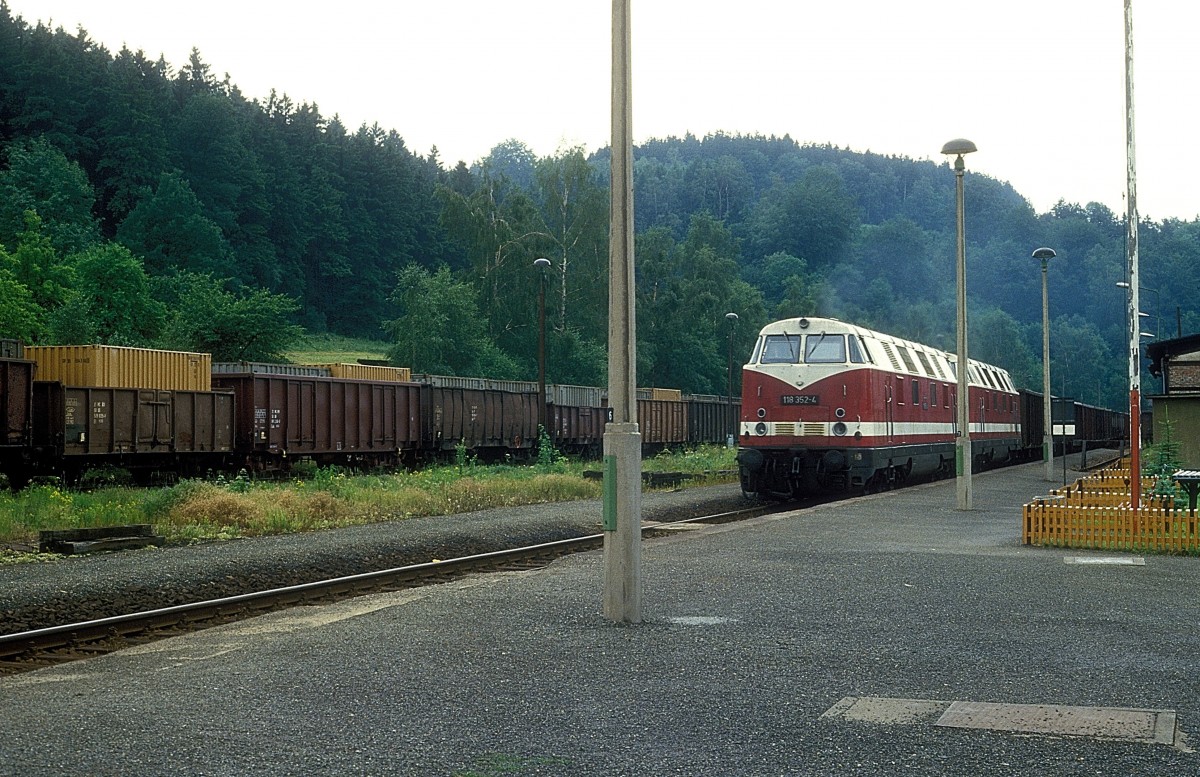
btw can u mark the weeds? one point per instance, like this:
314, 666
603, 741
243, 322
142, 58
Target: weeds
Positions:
315, 498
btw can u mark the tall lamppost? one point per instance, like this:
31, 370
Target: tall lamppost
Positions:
732, 318
542, 264
1045, 255
962, 443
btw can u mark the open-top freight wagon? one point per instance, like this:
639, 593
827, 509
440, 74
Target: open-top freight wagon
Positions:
173, 412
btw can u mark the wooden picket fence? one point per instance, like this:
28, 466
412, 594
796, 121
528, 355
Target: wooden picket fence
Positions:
1096, 513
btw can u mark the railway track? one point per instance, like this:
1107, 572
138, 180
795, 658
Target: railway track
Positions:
39, 648
30, 650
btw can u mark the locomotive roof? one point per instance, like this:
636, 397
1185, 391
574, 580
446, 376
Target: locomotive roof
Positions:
805, 325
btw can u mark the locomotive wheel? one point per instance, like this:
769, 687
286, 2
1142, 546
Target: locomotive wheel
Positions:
749, 486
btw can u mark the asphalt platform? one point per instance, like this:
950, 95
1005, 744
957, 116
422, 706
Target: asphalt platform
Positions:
886, 635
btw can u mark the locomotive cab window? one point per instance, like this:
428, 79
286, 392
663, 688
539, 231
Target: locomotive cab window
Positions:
825, 349
856, 351
781, 349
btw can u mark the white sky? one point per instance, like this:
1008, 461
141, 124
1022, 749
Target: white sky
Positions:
1038, 85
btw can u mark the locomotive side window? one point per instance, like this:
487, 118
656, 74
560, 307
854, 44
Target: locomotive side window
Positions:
757, 348
916, 388
781, 349
856, 353
825, 349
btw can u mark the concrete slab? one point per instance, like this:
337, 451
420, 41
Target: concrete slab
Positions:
1128, 561
1118, 723
876, 709
1139, 725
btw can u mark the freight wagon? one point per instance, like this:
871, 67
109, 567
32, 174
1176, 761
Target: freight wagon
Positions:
16, 407
492, 418
282, 418
141, 430
152, 411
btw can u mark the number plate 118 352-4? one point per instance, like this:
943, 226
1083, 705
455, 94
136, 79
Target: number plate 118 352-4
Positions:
800, 399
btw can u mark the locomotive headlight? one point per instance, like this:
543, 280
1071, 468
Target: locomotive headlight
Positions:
762, 413
839, 428
760, 428
840, 412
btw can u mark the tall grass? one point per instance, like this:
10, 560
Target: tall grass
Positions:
198, 510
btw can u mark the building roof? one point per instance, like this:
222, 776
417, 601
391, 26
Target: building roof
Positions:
1160, 351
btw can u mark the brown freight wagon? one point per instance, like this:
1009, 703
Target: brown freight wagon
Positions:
487, 417
16, 406
145, 431
577, 418
662, 423
712, 418
286, 418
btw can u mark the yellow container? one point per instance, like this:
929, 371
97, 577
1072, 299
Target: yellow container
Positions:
368, 372
113, 366
672, 395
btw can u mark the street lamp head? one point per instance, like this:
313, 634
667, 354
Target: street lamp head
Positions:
1044, 254
541, 263
959, 146
1122, 284
731, 317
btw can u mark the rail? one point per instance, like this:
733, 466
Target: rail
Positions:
35, 649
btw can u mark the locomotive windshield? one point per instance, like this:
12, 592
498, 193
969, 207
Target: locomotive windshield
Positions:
781, 349
818, 349
825, 349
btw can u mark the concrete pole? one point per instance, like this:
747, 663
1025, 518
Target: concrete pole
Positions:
622, 440
963, 458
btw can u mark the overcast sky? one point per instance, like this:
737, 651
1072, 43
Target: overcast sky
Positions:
1038, 85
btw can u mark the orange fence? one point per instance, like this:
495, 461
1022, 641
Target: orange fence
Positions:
1054, 522
1095, 513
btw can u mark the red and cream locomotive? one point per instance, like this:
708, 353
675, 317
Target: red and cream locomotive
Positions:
828, 406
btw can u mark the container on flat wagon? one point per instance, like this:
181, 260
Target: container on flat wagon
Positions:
11, 349
112, 366
669, 395
348, 371
267, 368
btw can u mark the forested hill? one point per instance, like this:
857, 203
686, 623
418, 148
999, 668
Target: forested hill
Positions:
147, 205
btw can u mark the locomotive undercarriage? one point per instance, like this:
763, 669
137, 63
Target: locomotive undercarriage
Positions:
794, 472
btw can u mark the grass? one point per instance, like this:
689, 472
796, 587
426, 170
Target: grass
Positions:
335, 349
317, 499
